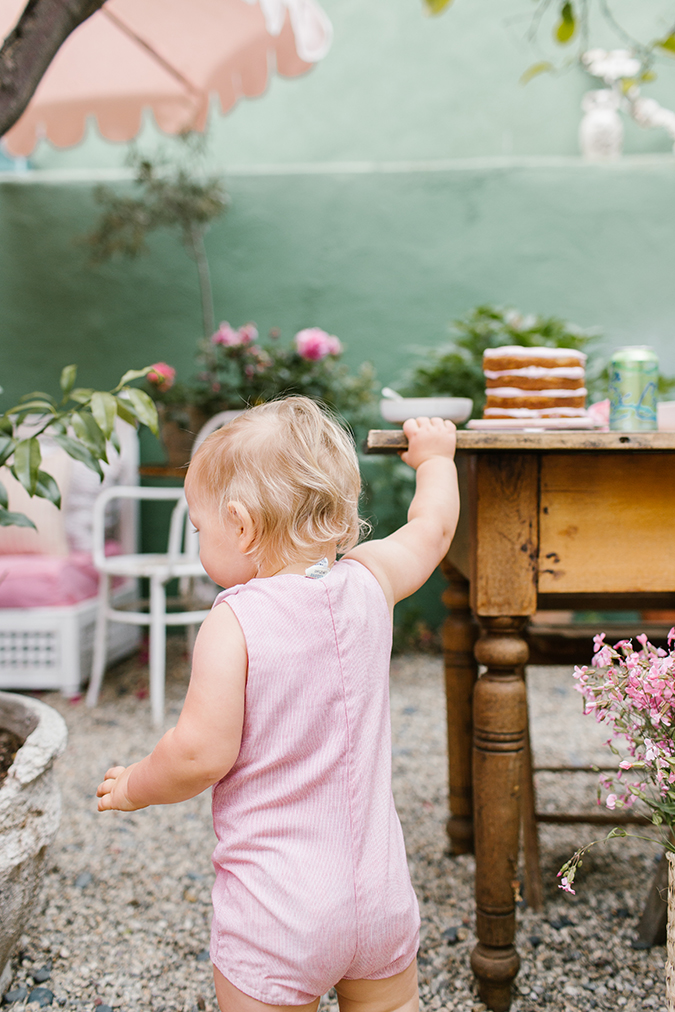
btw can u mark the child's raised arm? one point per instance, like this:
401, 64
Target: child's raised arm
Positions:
406, 559
203, 746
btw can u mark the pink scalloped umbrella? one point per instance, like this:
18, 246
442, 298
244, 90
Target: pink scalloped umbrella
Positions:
167, 55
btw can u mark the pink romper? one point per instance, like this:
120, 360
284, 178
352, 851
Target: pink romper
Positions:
312, 883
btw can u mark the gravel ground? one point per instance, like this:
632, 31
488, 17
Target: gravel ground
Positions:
124, 917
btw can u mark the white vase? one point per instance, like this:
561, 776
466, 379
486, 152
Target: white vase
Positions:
601, 129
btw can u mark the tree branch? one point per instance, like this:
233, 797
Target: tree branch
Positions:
29, 49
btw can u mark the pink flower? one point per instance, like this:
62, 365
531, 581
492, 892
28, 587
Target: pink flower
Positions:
248, 333
598, 641
162, 376
227, 336
565, 886
599, 412
611, 801
314, 344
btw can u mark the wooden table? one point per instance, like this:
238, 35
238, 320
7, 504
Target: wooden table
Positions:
554, 520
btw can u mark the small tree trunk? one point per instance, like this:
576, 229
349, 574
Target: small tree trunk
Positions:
197, 251
31, 46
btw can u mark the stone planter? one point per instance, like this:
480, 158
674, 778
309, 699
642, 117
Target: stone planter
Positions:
30, 809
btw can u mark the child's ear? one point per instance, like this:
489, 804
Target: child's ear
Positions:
244, 524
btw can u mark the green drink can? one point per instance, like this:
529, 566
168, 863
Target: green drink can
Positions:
633, 389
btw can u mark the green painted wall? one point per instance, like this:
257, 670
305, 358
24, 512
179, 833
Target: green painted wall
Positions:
406, 179
383, 259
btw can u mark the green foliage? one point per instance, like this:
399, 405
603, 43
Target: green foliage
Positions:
167, 199
667, 44
436, 6
456, 369
236, 376
169, 195
88, 414
574, 21
567, 25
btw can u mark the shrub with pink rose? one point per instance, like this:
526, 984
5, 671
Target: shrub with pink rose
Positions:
236, 369
632, 691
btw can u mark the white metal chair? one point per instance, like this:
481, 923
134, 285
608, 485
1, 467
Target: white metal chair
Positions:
180, 561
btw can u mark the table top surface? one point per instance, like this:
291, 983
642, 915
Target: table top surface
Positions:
475, 441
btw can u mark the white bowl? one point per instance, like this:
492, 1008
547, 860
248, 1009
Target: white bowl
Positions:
456, 409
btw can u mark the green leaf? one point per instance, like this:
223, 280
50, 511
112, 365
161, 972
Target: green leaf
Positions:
7, 445
143, 406
27, 458
8, 519
132, 374
567, 25
78, 452
81, 395
115, 441
6, 425
67, 380
543, 67
87, 430
436, 6
124, 412
38, 395
47, 488
35, 405
667, 44
4, 500
104, 410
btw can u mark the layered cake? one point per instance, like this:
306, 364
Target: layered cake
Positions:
534, 383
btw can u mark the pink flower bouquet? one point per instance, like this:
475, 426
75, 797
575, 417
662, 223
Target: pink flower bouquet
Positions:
633, 693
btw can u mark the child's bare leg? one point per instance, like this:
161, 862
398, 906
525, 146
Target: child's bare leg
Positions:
231, 999
393, 994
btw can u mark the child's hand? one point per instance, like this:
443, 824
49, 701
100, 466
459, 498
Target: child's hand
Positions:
112, 793
428, 437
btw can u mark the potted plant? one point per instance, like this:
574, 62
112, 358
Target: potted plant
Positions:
236, 369
631, 692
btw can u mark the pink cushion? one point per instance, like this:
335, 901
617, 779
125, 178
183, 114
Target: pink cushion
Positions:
46, 581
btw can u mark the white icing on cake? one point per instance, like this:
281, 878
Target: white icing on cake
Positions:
541, 372
517, 350
535, 412
517, 392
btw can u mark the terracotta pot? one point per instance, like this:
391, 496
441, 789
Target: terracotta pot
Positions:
670, 944
178, 428
30, 810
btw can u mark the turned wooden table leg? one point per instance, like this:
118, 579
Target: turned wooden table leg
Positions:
460, 632
499, 714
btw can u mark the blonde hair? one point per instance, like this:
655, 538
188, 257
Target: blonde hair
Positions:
296, 471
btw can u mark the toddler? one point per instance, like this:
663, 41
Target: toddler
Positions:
287, 711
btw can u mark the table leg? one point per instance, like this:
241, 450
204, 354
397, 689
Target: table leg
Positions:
460, 632
499, 711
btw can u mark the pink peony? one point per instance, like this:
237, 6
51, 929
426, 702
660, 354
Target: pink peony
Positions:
162, 376
248, 333
227, 336
314, 344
